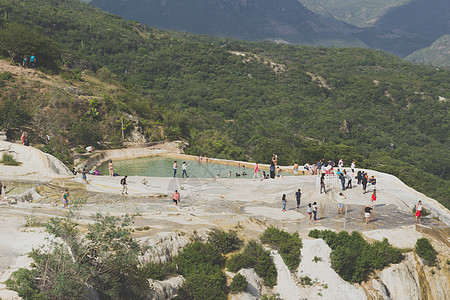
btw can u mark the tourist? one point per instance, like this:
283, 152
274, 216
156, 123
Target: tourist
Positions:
322, 184
22, 138
341, 164
419, 208
3, 193
314, 210
244, 173
256, 172
367, 213
298, 196
319, 167
176, 197
309, 211
274, 158
184, 168
74, 171
32, 60
306, 167
373, 181
278, 172
364, 182
374, 197
25, 61
65, 198
83, 174
229, 173
284, 202
295, 168
218, 176
237, 175
89, 149
110, 168
349, 179
175, 166
272, 170
342, 178
353, 166
340, 201
124, 184
359, 177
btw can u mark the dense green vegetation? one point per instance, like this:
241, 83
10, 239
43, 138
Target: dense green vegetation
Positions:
225, 242
353, 258
254, 256
9, 160
425, 250
201, 265
287, 99
289, 245
239, 284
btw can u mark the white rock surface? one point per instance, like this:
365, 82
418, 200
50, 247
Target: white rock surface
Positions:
401, 280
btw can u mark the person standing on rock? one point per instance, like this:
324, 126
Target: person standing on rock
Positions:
341, 164
256, 172
364, 182
314, 210
124, 184
22, 138
295, 169
3, 193
111, 168
353, 166
32, 60
298, 196
176, 197
309, 211
322, 184
184, 168
419, 208
349, 180
65, 198
83, 174
374, 197
367, 213
175, 166
284, 202
340, 201
272, 170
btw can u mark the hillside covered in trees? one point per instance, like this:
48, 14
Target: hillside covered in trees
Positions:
228, 98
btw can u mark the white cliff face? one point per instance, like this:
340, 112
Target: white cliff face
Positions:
254, 287
166, 289
401, 280
164, 246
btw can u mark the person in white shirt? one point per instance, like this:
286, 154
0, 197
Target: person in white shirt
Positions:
184, 167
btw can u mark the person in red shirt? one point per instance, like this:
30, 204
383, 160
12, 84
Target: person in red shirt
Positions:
176, 197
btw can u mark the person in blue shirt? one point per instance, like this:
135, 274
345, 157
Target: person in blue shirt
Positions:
32, 60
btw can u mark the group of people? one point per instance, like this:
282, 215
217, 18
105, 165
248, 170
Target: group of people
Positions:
183, 167
29, 61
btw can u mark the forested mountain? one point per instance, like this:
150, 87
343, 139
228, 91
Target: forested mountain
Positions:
234, 99
438, 54
251, 20
361, 13
396, 26
410, 27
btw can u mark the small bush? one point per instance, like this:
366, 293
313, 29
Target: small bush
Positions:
7, 76
31, 221
22, 281
225, 242
254, 256
8, 160
316, 259
425, 250
289, 245
239, 284
305, 280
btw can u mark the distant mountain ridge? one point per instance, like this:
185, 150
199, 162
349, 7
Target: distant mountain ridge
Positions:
281, 20
408, 26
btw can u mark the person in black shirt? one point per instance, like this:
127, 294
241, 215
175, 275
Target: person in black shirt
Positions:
123, 182
367, 213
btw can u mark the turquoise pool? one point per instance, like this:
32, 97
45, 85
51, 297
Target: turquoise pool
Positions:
158, 166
